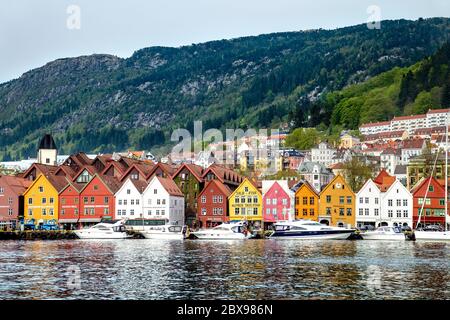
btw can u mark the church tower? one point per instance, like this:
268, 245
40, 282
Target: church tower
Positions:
47, 152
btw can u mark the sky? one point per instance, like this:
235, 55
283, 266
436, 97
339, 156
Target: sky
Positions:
33, 33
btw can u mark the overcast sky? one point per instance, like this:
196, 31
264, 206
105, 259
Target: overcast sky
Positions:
33, 33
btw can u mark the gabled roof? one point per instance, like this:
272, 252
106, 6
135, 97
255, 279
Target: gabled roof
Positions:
338, 176
16, 184
42, 168
384, 180
223, 174
138, 184
168, 169
169, 185
58, 182
253, 183
306, 184
222, 187
111, 183
90, 169
143, 168
68, 170
424, 181
196, 171
369, 181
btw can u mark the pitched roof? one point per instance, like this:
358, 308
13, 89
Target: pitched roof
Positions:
222, 187
144, 168
223, 174
412, 144
111, 182
17, 185
47, 143
45, 169
375, 124
400, 169
196, 170
170, 186
58, 182
140, 185
438, 110
384, 180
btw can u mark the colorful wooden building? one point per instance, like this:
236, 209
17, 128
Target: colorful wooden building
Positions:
306, 202
42, 201
337, 204
11, 200
212, 203
276, 201
429, 202
69, 206
245, 202
189, 179
97, 199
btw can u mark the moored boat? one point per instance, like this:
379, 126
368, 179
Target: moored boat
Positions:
309, 230
165, 232
384, 233
224, 231
104, 230
432, 235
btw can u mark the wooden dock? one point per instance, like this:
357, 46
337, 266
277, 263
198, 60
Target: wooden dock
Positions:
37, 235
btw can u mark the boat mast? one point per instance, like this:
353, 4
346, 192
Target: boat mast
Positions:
446, 171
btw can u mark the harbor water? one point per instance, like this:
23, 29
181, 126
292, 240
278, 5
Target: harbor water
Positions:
254, 269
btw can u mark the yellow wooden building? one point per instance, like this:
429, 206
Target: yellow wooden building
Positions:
337, 204
245, 202
306, 202
41, 200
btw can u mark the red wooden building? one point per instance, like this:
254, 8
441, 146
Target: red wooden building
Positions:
11, 200
213, 204
69, 206
276, 203
97, 199
433, 205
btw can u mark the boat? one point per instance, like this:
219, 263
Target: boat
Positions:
224, 231
309, 230
104, 230
165, 232
384, 233
432, 233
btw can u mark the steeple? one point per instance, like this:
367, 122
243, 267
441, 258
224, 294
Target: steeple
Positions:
47, 151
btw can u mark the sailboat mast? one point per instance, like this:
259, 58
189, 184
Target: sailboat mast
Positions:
446, 171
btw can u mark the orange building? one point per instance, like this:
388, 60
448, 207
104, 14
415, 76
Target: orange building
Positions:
306, 202
337, 204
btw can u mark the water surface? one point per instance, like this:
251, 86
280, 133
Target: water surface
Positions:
254, 269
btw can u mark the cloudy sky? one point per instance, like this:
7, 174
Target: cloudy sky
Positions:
33, 33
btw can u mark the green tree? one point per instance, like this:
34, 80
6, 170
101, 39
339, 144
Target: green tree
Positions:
303, 138
356, 173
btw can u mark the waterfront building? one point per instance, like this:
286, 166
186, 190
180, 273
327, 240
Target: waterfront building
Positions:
69, 206
129, 202
347, 141
12, 200
429, 202
163, 201
189, 179
316, 174
138, 171
164, 170
421, 166
337, 204
97, 199
323, 154
384, 201
277, 201
245, 202
37, 169
306, 202
212, 204
41, 200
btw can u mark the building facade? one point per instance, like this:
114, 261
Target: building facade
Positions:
12, 201
306, 202
245, 203
337, 204
277, 201
213, 204
429, 203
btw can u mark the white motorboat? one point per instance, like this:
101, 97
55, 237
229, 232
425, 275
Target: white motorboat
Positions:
308, 230
224, 231
104, 230
432, 235
384, 233
165, 232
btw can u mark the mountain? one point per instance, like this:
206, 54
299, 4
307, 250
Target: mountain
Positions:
102, 103
400, 91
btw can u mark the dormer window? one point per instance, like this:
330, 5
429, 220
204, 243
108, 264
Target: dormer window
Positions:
84, 177
135, 176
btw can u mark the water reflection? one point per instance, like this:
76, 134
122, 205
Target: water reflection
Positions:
260, 269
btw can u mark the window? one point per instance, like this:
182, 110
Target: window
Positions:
349, 200
220, 199
255, 211
85, 200
158, 201
274, 211
155, 191
106, 200
63, 200
51, 212
442, 202
246, 189
92, 199
311, 212
236, 200
242, 199
341, 211
366, 211
311, 200
120, 202
268, 211
41, 189
405, 202
63, 212
2, 190
236, 211
137, 202
430, 188
399, 202
349, 212
92, 211
390, 202
390, 213
30, 212
328, 211
125, 201
376, 200
377, 212
52, 200
95, 187
399, 213
30, 200
328, 199
128, 191
305, 200
249, 199
367, 200
132, 202
297, 201
119, 212
75, 211
274, 201
44, 200
361, 200
360, 211
268, 201
76, 200
131, 212
405, 213
85, 211
214, 199
341, 199
44, 212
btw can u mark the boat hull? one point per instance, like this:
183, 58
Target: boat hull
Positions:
162, 236
379, 236
93, 235
432, 235
217, 236
313, 235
